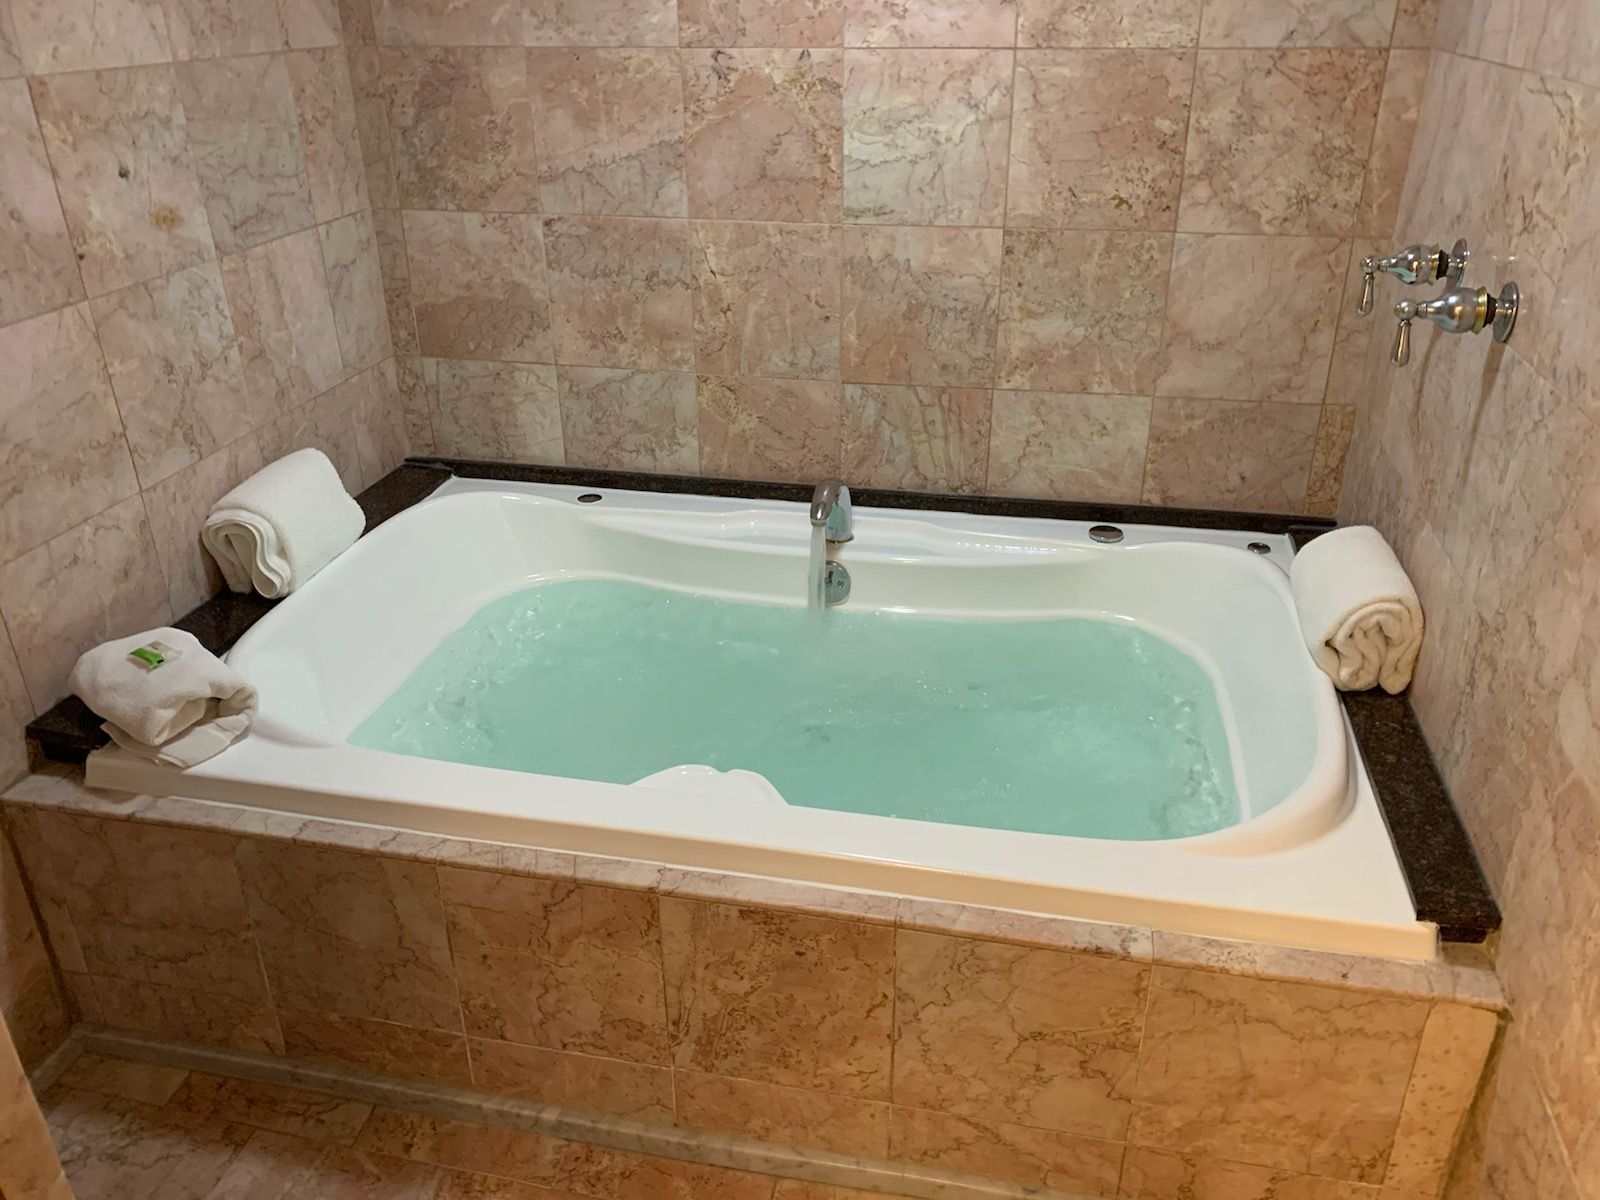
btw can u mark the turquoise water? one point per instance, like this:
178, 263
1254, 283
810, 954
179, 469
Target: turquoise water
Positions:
1071, 726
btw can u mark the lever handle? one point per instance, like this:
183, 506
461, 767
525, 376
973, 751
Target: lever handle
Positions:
1401, 354
1369, 286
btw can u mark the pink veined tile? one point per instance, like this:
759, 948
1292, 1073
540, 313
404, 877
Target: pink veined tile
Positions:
1070, 447
1268, 23
325, 104
629, 420
1128, 23
355, 289
477, 285
507, 411
621, 292
769, 428
761, 22
39, 271
917, 438
77, 35
930, 22
1230, 454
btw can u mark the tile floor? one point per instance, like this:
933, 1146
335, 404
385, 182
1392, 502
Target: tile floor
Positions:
133, 1131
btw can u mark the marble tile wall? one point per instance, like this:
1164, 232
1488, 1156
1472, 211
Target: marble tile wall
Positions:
1482, 465
1101, 1066
1030, 247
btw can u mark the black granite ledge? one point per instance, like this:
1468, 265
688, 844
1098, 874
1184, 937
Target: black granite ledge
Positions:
1441, 869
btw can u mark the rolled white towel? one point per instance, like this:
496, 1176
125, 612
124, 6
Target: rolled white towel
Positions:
282, 525
165, 697
1359, 612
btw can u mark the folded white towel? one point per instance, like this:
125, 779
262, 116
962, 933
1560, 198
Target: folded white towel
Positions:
282, 525
173, 702
1359, 612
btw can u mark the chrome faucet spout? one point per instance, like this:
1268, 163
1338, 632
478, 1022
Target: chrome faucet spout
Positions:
830, 508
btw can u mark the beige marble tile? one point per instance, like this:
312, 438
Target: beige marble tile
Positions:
119, 143
40, 270
920, 305
477, 285
10, 64
185, 1015
1230, 454
930, 22
276, 1166
373, 131
325, 103
1126, 23
781, 1115
1083, 311
763, 133
16, 710
1061, 1162
32, 1005
926, 135
761, 22
378, 413
150, 1083
736, 977
1068, 447
769, 428
558, 964
381, 1047
394, 264
922, 439
1099, 135
459, 1185
129, 1151
447, 22
1403, 88
355, 289
1270, 23
326, 423
283, 316
610, 132
351, 934
62, 453
1285, 1075
496, 410
1270, 336
78, 35
314, 24
1524, 1155
244, 133
203, 29
1278, 140
300, 1112
1444, 1081
1326, 477
1160, 1174
462, 123
629, 420
175, 369
419, 393
600, 23
1416, 22
766, 299
499, 1151
1025, 929
621, 292
799, 1189
1008, 1033
579, 1081
873, 908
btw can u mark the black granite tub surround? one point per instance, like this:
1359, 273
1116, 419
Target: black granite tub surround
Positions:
1447, 885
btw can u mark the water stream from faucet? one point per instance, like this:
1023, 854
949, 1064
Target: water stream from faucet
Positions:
816, 596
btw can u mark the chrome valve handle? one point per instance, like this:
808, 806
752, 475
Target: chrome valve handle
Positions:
1460, 310
1414, 264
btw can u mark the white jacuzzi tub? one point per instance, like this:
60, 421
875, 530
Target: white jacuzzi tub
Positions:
1308, 861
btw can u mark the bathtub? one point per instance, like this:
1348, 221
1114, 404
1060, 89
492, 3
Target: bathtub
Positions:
1306, 862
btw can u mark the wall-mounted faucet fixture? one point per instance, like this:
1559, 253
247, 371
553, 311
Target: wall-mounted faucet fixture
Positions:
1460, 310
1414, 264
833, 520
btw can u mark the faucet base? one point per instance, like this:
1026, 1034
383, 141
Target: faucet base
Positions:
835, 583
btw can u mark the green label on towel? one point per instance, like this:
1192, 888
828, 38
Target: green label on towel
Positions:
149, 656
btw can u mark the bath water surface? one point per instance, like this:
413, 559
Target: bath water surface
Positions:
1070, 726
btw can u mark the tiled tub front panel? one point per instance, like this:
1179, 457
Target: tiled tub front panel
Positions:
1102, 1071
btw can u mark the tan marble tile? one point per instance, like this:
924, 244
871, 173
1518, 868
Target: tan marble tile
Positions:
620, 292
782, 1116
447, 22
462, 123
761, 22
920, 305
119, 143
373, 132
1230, 454
494, 410
355, 288
1061, 1162
930, 22
798, 1189
395, 266
477, 284
596, 1171
314, 1116
202, 29
736, 976
1416, 22
1278, 140
16, 710
1524, 1155
77, 35
184, 1015
325, 103
763, 133
149, 1083
600, 23
1025, 929
1270, 336
460, 1145
610, 132
1160, 1175
1450, 1062
381, 1047
326, 423
315, 24
459, 1185
629, 420
558, 964
40, 270
1286, 1075
1270, 23
578, 1081
1069, 447
98, 580
1099, 138
1326, 477
917, 438
175, 368
274, 1166
1126, 23
766, 299
10, 64
128, 1151
351, 934
926, 135
62, 453
283, 316
419, 392
32, 1005
383, 439
769, 428
244, 133
1008, 1033
1083, 311
1403, 88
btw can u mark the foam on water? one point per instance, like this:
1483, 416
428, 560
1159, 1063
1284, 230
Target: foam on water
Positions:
1072, 726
